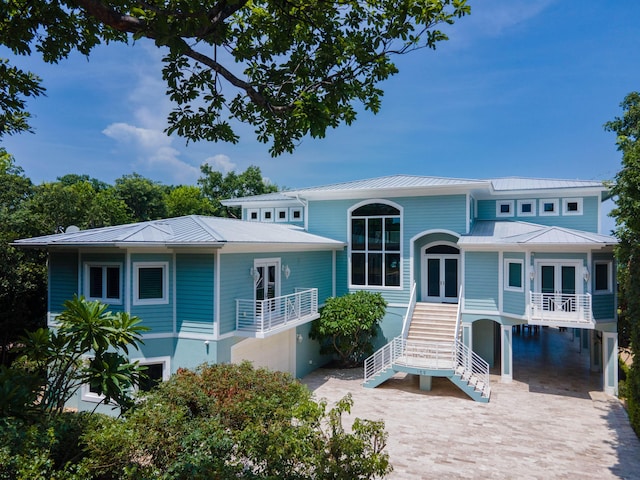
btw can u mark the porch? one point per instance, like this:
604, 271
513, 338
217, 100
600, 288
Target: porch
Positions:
263, 318
560, 310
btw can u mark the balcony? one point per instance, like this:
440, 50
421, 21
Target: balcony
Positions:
263, 318
561, 310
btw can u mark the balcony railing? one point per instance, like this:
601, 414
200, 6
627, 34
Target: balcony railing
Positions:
258, 318
559, 309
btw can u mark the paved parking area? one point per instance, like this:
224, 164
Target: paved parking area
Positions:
552, 421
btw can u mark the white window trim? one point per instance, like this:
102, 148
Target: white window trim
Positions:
253, 210
286, 215
165, 283
556, 207
375, 288
527, 214
507, 287
292, 211
87, 279
165, 361
565, 206
499, 205
609, 289
263, 214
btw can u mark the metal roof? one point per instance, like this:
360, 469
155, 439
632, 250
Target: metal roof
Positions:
392, 182
520, 183
192, 230
491, 232
267, 197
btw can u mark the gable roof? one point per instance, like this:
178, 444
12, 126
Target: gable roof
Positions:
189, 231
493, 232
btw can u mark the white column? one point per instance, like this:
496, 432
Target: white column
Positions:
506, 347
610, 362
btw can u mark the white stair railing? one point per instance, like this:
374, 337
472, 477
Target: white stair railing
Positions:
383, 358
409, 314
471, 364
458, 330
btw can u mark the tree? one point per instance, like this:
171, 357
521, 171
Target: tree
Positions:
187, 200
288, 68
14, 87
234, 421
348, 324
143, 197
57, 361
216, 186
627, 214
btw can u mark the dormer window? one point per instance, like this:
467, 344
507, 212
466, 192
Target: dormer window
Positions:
549, 207
572, 206
504, 208
526, 208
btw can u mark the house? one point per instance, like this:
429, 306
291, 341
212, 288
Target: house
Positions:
461, 263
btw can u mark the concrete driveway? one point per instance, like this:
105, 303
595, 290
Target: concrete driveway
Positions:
552, 421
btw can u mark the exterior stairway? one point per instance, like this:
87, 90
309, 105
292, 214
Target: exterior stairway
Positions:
433, 348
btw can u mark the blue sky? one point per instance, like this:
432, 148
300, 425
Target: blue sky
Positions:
522, 88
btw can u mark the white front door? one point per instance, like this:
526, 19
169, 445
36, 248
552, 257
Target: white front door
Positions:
440, 278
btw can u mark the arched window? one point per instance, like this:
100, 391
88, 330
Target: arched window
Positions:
375, 245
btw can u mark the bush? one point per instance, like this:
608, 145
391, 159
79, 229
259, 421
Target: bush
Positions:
348, 325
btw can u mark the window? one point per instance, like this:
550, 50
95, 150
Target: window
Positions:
549, 207
282, 214
513, 274
603, 277
267, 214
375, 245
253, 214
572, 206
102, 282
157, 372
295, 214
526, 208
150, 283
504, 208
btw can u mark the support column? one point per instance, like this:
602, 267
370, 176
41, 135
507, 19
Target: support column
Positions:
506, 349
467, 335
425, 383
596, 351
610, 362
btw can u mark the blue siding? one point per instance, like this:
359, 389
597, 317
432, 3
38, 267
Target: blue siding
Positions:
194, 293
603, 304
157, 317
588, 221
63, 279
481, 281
515, 302
308, 270
447, 212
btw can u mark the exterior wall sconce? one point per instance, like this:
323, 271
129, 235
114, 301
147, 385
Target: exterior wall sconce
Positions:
586, 274
286, 271
254, 273
299, 338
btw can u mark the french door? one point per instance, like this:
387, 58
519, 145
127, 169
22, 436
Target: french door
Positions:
440, 282
267, 284
559, 284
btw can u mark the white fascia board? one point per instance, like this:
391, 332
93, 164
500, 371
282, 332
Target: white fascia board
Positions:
262, 203
521, 247
279, 247
539, 193
426, 191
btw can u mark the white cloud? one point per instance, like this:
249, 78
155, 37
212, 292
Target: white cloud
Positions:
494, 18
154, 152
221, 162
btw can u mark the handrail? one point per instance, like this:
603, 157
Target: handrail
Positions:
558, 307
382, 358
409, 314
472, 364
261, 316
459, 314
